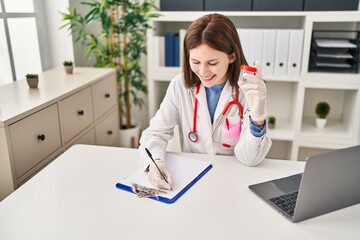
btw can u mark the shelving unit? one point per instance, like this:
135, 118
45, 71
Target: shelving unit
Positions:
291, 99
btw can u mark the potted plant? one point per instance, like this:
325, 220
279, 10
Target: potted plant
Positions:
120, 43
32, 80
271, 122
322, 110
69, 66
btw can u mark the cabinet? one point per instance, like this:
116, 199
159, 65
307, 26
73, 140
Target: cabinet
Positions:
291, 98
37, 125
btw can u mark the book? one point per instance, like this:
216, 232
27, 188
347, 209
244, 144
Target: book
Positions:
182, 33
171, 44
176, 50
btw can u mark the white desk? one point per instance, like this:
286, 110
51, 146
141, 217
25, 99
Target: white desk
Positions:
75, 198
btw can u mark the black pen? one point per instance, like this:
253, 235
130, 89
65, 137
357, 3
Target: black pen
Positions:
148, 153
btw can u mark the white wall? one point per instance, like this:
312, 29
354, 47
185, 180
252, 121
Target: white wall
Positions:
60, 43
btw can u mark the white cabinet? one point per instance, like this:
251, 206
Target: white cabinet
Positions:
76, 113
292, 97
33, 139
36, 125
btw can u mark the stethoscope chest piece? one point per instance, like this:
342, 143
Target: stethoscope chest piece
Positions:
193, 136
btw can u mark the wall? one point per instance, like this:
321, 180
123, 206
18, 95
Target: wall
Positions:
60, 45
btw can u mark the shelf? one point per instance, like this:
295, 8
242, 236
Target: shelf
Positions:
305, 152
280, 150
347, 80
163, 73
284, 130
316, 15
291, 100
335, 131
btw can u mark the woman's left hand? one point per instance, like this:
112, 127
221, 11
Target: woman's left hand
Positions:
254, 89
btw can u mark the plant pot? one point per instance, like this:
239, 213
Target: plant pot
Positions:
32, 82
129, 137
271, 125
69, 69
321, 122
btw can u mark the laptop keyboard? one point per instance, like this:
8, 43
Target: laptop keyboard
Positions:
286, 202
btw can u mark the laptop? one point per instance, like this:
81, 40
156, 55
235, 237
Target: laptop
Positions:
329, 182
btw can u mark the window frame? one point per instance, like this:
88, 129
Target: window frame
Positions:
40, 28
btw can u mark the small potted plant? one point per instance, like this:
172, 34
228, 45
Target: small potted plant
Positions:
322, 110
271, 122
69, 67
32, 80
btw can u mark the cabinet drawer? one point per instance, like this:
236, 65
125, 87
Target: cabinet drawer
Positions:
76, 113
105, 96
87, 138
107, 131
34, 138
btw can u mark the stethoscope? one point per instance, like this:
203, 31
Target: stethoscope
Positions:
193, 136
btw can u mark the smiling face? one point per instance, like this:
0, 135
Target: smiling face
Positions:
210, 65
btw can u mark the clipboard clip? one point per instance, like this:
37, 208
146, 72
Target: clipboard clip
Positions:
142, 191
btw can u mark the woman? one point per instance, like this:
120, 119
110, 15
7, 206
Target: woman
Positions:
216, 112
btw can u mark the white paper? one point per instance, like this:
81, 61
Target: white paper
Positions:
183, 171
335, 55
334, 43
340, 65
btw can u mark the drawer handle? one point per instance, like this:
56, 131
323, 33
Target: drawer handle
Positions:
109, 132
41, 137
81, 112
107, 95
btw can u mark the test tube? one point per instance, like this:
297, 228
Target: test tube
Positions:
246, 69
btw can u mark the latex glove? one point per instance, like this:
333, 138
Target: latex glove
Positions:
254, 89
155, 176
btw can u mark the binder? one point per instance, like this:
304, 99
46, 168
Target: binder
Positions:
161, 51
269, 44
182, 33
157, 51
295, 52
170, 49
176, 50
185, 173
244, 35
281, 52
256, 46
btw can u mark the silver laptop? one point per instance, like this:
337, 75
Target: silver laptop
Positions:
329, 182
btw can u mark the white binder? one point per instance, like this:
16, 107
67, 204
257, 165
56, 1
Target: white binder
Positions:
295, 52
256, 46
268, 58
281, 52
182, 33
244, 35
156, 50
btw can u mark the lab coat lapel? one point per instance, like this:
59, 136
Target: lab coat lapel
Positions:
225, 97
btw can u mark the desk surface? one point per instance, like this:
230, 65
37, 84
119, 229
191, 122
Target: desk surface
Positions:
75, 198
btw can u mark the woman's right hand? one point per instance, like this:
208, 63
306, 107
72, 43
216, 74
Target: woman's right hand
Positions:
155, 176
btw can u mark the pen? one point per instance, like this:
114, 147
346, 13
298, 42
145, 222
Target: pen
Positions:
148, 153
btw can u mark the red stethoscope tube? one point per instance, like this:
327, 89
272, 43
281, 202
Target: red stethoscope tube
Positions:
193, 136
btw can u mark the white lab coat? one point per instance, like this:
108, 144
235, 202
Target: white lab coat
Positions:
177, 108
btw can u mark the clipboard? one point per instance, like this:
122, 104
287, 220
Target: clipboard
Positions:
185, 173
